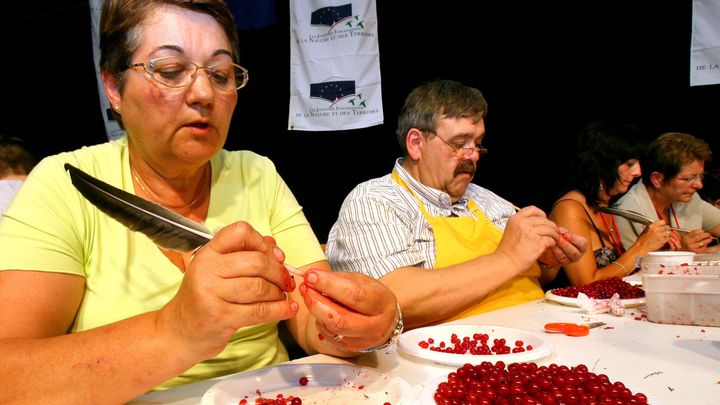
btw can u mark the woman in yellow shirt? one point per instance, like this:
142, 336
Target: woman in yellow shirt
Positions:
92, 312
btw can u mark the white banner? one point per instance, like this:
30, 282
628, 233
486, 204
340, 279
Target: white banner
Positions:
705, 44
112, 127
334, 65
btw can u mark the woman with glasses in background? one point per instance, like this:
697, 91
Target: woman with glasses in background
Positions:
605, 162
673, 170
92, 312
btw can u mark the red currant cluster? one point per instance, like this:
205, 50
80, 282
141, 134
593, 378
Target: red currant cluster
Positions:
602, 289
470, 345
279, 400
526, 383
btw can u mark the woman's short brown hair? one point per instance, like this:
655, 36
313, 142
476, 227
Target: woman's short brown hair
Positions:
119, 20
669, 152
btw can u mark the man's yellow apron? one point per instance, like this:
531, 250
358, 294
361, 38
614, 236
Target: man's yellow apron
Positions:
461, 239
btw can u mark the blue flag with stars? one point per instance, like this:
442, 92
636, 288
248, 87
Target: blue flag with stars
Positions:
329, 16
332, 91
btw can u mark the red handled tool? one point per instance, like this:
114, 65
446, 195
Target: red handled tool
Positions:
572, 329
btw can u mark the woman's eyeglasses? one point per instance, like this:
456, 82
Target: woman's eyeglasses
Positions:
174, 71
692, 179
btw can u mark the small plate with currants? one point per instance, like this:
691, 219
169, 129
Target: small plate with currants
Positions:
314, 383
455, 345
631, 295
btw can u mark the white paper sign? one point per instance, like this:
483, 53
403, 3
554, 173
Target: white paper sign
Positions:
334, 65
705, 43
112, 127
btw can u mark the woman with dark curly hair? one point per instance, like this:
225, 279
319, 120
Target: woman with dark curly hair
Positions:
605, 163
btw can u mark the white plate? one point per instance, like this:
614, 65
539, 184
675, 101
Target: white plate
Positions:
430, 386
327, 383
628, 303
633, 279
408, 343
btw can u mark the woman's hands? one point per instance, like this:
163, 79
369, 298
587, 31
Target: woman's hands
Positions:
236, 280
351, 311
696, 241
655, 236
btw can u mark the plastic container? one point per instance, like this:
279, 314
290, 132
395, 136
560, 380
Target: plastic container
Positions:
682, 299
655, 262
683, 263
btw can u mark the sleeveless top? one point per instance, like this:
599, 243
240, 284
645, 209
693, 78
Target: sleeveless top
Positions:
605, 254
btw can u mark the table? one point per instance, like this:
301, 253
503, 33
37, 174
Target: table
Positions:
673, 364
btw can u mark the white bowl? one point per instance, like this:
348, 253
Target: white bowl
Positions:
655, 262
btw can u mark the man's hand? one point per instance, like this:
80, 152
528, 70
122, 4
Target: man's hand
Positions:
568, 248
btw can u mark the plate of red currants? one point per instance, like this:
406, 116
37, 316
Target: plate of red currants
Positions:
297, 384
488, 382
631, 295
455, 345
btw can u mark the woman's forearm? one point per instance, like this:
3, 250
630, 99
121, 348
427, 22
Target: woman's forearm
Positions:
110, 364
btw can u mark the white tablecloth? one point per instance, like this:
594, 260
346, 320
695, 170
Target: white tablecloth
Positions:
673, 364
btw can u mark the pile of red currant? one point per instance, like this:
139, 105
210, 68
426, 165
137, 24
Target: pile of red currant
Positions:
602, 289
526, 383
478, 344
279, 400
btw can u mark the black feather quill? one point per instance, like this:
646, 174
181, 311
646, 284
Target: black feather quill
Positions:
635, 217
164, 227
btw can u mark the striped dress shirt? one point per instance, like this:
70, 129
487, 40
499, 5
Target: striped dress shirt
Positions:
380, 227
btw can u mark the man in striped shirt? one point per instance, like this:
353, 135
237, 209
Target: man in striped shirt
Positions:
447, 248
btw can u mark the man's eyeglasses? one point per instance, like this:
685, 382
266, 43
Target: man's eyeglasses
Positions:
462, 152
692, 179
174, 71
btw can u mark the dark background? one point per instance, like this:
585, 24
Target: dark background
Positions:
545, 69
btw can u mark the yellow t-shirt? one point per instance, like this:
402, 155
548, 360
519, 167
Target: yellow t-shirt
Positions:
51, 227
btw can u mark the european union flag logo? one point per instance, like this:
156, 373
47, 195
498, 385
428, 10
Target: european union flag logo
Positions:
332, 91
329, 16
